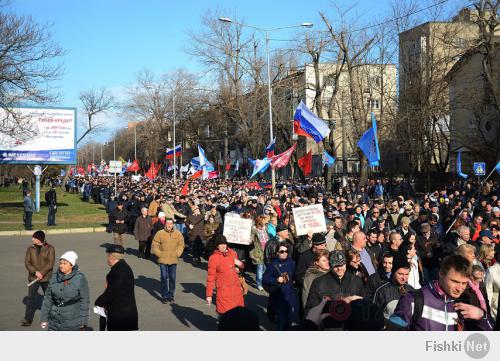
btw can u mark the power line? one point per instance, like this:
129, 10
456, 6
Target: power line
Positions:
379, 24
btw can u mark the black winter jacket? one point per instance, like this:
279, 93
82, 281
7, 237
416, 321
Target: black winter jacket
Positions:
330, 285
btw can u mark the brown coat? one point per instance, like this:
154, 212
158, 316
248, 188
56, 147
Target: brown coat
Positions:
153, 208
198, 226
42, 262
143, 227
168, 246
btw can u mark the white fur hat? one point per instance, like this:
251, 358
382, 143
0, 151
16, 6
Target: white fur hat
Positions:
70, 256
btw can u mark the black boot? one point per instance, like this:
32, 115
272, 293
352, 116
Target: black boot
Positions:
142, 247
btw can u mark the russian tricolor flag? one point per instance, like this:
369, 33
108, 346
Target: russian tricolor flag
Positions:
270, 149
170, 152
307, 124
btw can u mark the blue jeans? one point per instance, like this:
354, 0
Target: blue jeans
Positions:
51, 219
181, 227
167, 277
261, 268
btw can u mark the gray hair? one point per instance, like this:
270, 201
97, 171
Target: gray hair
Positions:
461, 229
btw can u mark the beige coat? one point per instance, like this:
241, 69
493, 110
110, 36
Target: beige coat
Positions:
168, 246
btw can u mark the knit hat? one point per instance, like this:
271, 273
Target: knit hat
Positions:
70, 256
220, 239
40, 235
318, 239
486, 233
161, 215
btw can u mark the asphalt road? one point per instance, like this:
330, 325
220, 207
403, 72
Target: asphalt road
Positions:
189, 312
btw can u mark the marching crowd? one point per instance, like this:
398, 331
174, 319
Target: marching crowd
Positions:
389, 259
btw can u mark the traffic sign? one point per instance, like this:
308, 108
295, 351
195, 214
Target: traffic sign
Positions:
480, 168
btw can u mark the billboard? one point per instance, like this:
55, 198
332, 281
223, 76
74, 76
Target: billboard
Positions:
50, 138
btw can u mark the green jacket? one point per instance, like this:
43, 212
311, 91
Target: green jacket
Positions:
66, 302
256, 253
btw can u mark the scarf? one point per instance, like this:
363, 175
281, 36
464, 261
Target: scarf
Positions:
479, 294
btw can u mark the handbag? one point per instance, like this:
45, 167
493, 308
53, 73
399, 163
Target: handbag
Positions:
244, 285
272, 287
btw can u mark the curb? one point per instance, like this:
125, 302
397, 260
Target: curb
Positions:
55, 231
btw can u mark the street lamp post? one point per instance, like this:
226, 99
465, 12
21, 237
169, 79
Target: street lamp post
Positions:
266, 32
173, 137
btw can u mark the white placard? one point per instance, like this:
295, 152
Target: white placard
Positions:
237, 230
309, 218
115, 166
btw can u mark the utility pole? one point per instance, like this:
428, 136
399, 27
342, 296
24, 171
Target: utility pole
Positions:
225, 153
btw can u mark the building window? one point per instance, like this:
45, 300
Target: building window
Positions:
372, 104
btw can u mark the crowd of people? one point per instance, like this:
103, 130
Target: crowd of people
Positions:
389, 258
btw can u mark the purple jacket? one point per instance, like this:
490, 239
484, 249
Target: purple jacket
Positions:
438, 313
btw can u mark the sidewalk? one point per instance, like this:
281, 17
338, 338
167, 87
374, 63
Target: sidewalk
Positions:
53, 231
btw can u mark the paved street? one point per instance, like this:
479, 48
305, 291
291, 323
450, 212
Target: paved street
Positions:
189, 312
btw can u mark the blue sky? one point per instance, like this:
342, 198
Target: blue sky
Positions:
109, 41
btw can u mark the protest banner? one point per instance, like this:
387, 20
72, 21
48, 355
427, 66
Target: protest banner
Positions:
237, 230
309, 218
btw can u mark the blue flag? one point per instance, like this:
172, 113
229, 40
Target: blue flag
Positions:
369, 144
63, 173
497, 167
459, 166
260, 166
327, 159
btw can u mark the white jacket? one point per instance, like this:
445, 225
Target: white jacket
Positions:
492, 282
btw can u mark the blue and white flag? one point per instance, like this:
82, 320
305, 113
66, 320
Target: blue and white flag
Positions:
327, 159
62, 173
260, 166
459, 166
237, 166
369, 144
201, 156
195, 162
497, 167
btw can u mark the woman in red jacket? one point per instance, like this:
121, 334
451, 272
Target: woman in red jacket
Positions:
223, 270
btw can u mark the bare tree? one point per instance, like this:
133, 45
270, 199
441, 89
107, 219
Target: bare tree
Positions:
27, 67
94, 102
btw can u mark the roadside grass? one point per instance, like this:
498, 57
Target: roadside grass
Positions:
72, 212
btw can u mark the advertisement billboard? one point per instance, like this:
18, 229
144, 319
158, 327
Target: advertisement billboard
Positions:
50, 138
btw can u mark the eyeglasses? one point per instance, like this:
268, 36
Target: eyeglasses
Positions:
282, 251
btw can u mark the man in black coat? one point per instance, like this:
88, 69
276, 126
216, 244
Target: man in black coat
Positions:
119, 298
51, 201
338, 283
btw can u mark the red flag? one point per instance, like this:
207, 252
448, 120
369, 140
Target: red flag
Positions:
228, 165
197, 175
212, 175
253, 185
305, 163
152, 171
185, 189
134, 167
281, 160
